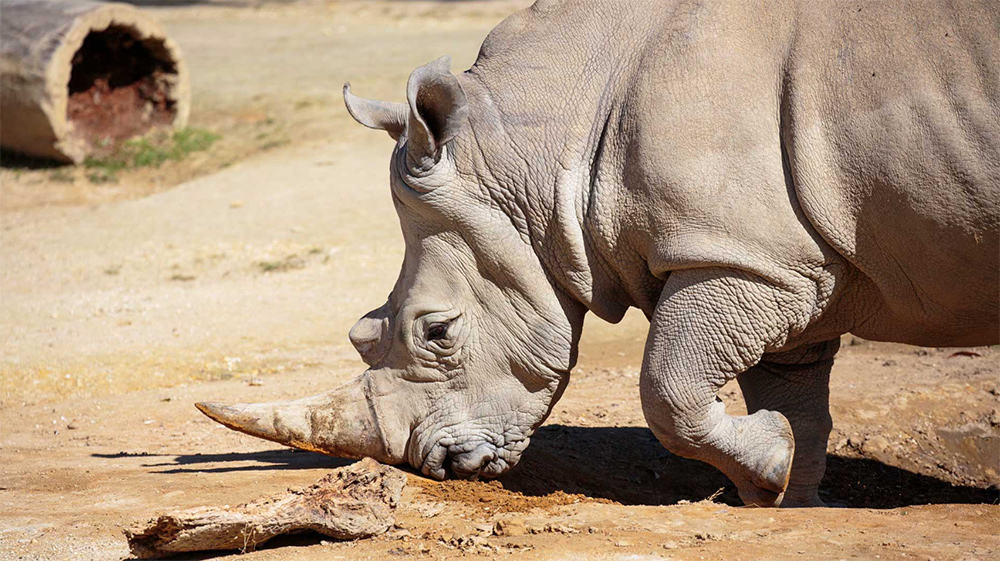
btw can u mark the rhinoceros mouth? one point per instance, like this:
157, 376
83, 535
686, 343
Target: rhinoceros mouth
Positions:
470, 458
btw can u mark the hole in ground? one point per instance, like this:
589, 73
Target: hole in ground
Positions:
119, 86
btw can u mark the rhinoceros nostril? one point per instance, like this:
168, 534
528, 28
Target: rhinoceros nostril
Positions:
469, 464
370, 336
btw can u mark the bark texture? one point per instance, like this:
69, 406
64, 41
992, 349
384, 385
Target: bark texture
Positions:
352, 502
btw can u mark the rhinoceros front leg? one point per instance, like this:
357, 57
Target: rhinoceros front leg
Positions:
709, 326
797, 384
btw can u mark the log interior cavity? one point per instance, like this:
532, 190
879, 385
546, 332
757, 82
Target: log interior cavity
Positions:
119, 87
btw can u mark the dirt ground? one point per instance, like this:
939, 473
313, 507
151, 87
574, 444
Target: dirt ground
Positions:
236, 274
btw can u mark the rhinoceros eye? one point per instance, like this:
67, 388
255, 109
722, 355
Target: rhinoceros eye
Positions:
437, 331
439, 334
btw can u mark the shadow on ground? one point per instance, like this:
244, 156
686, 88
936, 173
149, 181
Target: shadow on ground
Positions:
268, 460
626, 465
16, 161
288, 544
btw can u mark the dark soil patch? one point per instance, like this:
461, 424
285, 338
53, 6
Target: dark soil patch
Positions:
491, 496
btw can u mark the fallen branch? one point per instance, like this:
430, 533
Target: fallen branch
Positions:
357, 501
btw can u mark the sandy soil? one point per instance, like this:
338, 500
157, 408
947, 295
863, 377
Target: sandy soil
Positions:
236, 274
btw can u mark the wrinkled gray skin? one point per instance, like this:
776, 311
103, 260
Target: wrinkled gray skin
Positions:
758, 180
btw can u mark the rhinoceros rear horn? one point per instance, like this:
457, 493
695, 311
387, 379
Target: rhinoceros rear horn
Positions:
438, 111
382, 115
338, 423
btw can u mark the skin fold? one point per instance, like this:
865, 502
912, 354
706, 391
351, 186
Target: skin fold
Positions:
758, 178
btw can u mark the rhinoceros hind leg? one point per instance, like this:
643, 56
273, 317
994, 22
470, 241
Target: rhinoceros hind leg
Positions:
709, 326
797, 384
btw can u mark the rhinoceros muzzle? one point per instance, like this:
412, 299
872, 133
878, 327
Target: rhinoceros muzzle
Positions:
470, 465
341, 423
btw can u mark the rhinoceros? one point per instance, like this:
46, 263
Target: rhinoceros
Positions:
758, 178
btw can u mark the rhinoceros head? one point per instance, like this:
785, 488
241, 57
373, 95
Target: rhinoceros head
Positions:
475, 343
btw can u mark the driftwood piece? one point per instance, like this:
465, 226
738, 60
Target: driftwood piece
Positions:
356, 501
78, 76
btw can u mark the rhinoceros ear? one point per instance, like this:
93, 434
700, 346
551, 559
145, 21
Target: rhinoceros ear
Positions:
438, 111
382, 115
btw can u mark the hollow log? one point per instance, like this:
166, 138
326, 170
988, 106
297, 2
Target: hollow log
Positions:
356, 501
77, 77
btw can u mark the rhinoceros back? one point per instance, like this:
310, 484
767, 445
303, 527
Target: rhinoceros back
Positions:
892, 127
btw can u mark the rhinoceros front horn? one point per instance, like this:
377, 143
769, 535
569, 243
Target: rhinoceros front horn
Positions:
338, 423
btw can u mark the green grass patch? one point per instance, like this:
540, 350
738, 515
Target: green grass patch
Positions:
287, 264
61, 175
148, 151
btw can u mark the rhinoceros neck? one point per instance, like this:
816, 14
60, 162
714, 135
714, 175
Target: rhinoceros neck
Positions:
548, 137
547, 192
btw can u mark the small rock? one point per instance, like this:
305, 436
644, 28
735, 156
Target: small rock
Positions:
877, 443
509, 528
398, 534
466, 543
561, 529
429, 510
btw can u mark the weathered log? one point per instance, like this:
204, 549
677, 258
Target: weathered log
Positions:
76, 77
352, 502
